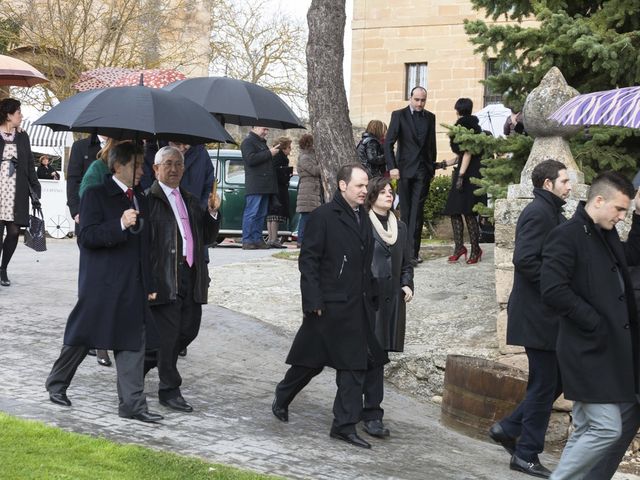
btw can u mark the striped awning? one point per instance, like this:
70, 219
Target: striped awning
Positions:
42, 136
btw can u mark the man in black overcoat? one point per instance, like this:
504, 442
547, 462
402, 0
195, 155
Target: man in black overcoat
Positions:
179, 269
585, 279
531, 324
83, 153
414, 130
112, 311
336, 286
260, 184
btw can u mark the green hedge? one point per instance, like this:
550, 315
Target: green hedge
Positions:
433, 207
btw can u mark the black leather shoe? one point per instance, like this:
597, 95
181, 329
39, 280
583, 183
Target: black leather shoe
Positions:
281, 413
535, 469
178, 403
498, 435
183, 352
376, 428
92, 352
146, 417
351, 438
60, 399
103, 358
4, 279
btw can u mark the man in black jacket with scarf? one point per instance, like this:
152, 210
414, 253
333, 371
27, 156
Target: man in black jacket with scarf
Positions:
531, 324
336, 286
585, 279
180, 229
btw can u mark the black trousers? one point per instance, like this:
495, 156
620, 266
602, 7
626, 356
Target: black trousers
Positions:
178, 325
373, 394
530, 419
413, 195
347, 406
129, 370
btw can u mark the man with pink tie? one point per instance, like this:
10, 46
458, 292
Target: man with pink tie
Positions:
180, 228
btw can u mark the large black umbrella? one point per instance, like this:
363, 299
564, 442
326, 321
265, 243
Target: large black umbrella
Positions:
136, 113
237, 102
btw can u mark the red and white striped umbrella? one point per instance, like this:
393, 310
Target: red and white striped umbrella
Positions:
154, 78
100, 78
619, 107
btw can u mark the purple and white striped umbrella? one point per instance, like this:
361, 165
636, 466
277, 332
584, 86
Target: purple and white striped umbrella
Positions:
616, 108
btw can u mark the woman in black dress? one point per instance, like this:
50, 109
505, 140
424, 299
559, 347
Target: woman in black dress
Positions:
462, 198
279, 203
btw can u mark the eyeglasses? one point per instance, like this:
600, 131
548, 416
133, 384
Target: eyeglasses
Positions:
170, 165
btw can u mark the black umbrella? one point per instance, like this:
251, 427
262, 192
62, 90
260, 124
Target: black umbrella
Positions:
136, 113
237, 102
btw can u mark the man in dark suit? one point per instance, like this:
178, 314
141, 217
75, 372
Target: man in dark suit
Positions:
414, 130
336, 331
531, 324
180, 228
260, 184
83, 153
112, 311
585, 279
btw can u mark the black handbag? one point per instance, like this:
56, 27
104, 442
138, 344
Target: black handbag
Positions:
34, 236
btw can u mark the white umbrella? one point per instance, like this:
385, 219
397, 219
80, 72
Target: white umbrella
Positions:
492, 118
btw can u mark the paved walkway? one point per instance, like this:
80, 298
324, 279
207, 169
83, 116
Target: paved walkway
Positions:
229, 377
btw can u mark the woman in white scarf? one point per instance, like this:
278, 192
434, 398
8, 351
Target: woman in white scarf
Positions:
393, 273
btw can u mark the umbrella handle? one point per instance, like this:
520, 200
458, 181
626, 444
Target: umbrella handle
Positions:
137, 228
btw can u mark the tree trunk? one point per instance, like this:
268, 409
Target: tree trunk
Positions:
328, 109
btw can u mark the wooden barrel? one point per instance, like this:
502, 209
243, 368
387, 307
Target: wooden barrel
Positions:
479, 392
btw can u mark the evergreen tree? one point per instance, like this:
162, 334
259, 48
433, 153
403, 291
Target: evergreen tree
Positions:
595, 44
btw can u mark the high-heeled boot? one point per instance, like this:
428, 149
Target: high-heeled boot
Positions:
4, 279
458, 253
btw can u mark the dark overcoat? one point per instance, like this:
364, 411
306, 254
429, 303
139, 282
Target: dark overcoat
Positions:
114, 278
585, 279
199, 174
530, 322
166, 244
414, 152
392, 270
83, 153
25, 175
259, 175
335, 277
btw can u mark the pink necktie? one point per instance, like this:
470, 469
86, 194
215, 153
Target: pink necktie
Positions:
184, 218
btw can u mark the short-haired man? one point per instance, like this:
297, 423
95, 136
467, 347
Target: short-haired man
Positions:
335, 281
585, 279
260, 184
414, 130
531, 324
112, 311
180, 229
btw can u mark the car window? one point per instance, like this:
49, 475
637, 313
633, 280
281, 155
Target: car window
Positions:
234, 172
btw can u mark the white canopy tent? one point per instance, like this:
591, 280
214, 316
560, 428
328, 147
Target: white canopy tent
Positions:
58, 221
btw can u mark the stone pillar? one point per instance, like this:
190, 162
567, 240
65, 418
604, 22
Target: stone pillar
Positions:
550, 143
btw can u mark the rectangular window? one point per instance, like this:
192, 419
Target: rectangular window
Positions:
416, 75
493, 67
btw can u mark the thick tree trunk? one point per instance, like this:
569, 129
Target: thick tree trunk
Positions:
328, 109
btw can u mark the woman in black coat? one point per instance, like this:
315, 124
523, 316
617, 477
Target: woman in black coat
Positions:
17, 177
370, 149
393, 274
462, 198
279, 203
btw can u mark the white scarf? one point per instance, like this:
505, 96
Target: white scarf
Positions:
388, 236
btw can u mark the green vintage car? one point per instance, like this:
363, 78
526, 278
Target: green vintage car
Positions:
229, 169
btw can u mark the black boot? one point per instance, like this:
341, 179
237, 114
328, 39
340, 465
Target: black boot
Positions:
4, 280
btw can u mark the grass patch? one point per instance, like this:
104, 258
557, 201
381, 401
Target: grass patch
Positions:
32, 450
286, 255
